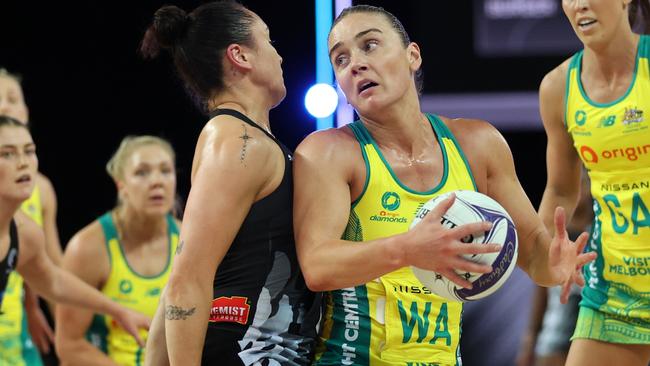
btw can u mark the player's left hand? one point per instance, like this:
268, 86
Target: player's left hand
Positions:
566, 258
132, 321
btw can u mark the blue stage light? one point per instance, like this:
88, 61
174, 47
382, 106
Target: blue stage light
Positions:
321, 100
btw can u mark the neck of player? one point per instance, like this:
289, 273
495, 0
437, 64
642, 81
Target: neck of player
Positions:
136, 227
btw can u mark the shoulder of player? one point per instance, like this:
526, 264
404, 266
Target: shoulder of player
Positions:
87, 243
29, 234
86, 255
469, 131
224, 136
554, 82
328, 144
552, 91
48, 195
478, 139
43, 182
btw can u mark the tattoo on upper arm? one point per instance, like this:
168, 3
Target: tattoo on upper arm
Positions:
244, 137
179, 248
178, 313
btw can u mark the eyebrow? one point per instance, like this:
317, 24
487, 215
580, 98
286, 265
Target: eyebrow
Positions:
12, 146
359, 35
154, 164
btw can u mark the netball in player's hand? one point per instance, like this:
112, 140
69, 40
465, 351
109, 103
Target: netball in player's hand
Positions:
434, 246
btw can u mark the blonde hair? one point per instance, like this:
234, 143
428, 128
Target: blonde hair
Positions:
115, 166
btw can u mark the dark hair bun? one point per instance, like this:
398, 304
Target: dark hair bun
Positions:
169, 23
168, 27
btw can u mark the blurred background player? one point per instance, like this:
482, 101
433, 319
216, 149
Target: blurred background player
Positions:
22, 240
595, 107
126, 254
23, 324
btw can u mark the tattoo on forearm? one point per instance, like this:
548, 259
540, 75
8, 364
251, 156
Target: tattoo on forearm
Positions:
244, 137
179, 248
178, 313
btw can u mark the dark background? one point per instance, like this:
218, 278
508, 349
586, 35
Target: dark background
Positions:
86, 86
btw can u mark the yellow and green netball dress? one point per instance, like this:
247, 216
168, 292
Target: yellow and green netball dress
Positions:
16, 346
393, 320
134, 291
613, 141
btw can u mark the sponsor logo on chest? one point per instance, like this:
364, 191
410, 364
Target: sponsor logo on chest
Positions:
630, 120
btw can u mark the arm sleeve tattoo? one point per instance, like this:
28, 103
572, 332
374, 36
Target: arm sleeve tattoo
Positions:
178, 313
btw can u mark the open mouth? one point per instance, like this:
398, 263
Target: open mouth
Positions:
25, 178
157, 198
585, 23
367, 85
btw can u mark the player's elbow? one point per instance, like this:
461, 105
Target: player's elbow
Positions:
184, 286
53, 288
561, 193
315, 273
315, 281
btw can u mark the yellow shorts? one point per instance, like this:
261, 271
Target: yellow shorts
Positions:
594, 324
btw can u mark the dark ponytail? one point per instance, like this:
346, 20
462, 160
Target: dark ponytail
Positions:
197, 42
169, 25
639, 15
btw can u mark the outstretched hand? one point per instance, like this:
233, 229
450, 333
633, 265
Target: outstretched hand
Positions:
566, 258
132, 321
437, 248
